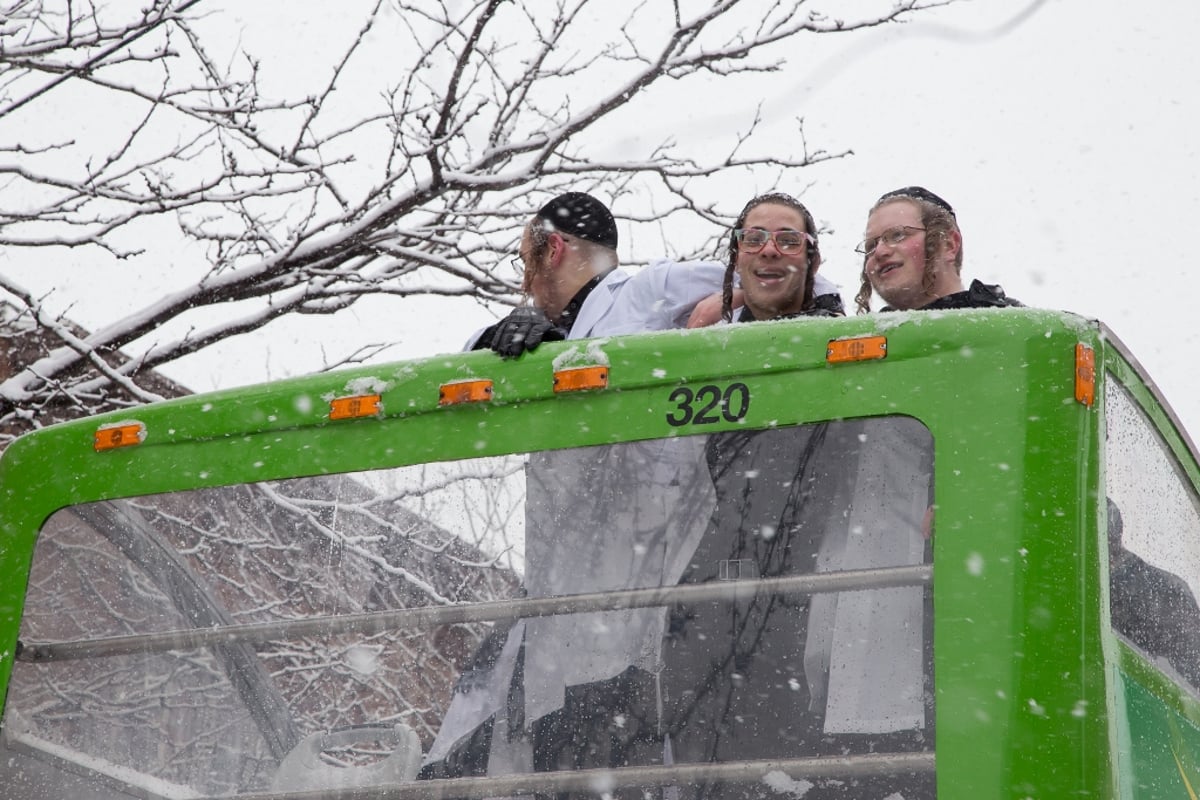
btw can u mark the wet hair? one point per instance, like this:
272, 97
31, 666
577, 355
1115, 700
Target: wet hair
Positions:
938, 220
811, 248
539, 243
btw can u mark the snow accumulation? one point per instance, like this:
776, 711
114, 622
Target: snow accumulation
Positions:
592, 355
783, 783
367, 385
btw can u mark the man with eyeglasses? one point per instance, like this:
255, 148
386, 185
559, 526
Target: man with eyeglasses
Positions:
913, 254
774, 255
774, 258
774, 678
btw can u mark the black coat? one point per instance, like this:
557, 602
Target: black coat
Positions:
977, 295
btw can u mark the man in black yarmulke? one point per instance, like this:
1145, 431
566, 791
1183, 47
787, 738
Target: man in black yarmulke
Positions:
544, 693
575, 290
567, 249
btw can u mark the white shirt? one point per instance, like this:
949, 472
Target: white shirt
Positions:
657, 298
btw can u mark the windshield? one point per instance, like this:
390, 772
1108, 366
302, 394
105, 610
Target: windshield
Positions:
748, 609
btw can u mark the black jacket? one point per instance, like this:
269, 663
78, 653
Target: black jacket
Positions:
979, 295
824, 305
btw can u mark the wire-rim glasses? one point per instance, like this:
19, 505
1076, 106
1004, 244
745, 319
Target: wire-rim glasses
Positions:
891, 237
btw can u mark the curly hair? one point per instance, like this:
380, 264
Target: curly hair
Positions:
538, 235
811, 249
938, 222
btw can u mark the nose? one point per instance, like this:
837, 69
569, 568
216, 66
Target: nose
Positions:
881, 248
772, 246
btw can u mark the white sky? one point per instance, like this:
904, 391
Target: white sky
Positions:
1067, 144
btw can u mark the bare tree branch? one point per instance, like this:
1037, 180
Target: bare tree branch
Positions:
406, 168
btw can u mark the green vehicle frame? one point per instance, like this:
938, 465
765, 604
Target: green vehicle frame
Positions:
1037, 694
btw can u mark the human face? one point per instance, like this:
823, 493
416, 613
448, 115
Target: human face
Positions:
773, 282
897, 271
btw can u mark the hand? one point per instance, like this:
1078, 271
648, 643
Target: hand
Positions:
708, 311
524, 329
927, 523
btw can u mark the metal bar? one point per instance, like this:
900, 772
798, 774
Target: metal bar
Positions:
46, 765
432, 616
600, 781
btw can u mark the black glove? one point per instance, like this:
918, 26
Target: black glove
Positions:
524, 329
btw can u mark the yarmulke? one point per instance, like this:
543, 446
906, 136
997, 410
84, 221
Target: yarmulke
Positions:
918, 193
580, 214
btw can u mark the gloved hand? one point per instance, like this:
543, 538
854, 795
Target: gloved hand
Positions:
524, 329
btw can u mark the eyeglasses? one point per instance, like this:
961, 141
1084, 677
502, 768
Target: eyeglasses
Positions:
518, 261
891, 237
754, 239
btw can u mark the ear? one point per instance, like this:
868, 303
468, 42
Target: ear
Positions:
814, 260
556, 251
951, 245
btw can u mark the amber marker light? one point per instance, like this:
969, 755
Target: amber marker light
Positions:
355, 406
577, 379
860, 348
468, 391
1085, 374
119, 434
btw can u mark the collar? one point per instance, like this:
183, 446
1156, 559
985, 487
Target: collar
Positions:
821, 308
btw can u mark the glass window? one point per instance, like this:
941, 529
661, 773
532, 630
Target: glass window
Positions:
320, 672
1154, 541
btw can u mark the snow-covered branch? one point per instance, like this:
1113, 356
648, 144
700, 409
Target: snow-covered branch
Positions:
403, 160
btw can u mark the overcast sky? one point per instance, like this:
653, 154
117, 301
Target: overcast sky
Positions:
1066, 139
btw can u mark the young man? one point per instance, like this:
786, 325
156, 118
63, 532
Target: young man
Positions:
543, 694
913, 254
774, 253
575, 289
787, 676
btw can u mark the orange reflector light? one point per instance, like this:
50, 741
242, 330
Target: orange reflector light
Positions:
577, 379
861, 348
362, 405
471, 391
1085, 374
119, 434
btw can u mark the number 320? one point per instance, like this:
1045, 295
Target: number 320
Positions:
708, 404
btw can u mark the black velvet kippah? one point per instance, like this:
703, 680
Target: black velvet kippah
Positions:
918, 193
579, 214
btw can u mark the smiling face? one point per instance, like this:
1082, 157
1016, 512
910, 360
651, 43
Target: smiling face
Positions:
774, 283
908, 273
